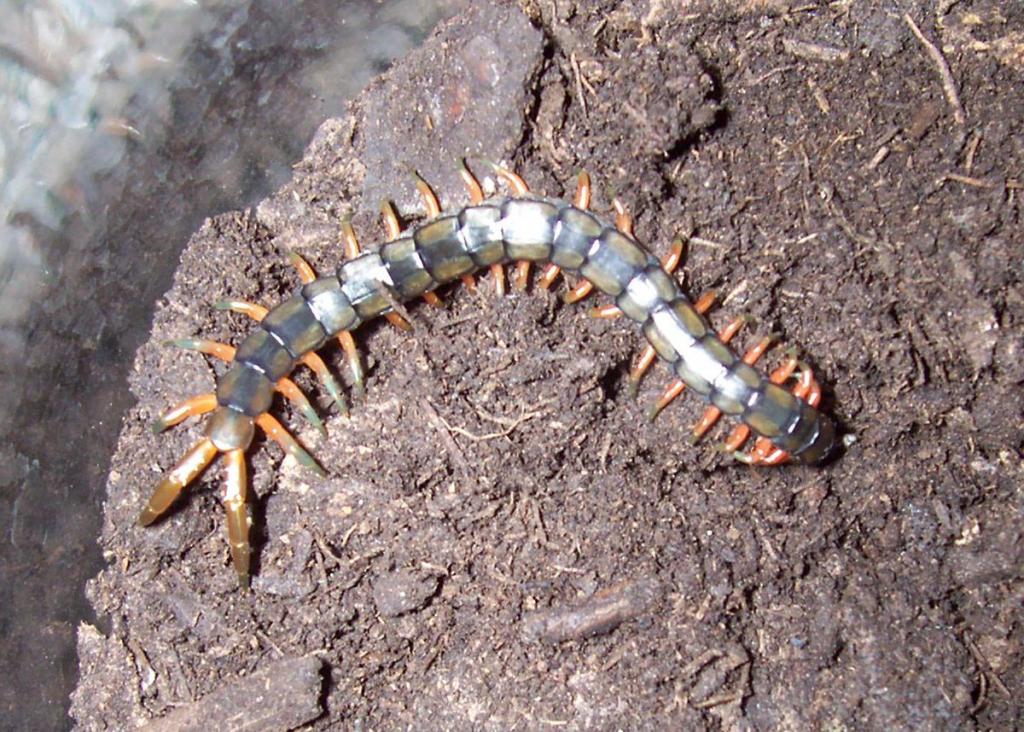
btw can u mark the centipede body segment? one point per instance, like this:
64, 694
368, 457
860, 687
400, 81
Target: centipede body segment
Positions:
521, 228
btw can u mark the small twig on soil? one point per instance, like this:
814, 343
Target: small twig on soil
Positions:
512, 425
814, 51
728, 697
579, 84
948, 83
445, 430
972, 148
985, 666
598, 614
764, 77
968, 180
880, 155
705, 243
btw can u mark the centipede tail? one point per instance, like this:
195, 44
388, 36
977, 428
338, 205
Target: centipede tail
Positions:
522, 229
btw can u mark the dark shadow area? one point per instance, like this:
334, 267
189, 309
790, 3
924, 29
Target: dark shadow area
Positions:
218, 132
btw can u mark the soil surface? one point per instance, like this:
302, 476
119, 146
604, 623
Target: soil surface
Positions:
504, 541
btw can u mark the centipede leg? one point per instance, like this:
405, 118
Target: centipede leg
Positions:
577, 293
306, 273
291, 391
349, 239
188, 468
348, 343
392, 226
285, 386
427, 195
623, 219
643, 363
582, 201
193, 407
432, 299
498, 275
238, 522
276, 432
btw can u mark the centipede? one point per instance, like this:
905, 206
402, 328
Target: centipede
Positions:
777, 413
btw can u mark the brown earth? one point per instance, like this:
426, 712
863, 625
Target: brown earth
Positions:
504, 541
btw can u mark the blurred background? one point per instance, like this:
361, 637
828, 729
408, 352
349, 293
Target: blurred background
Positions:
123, 124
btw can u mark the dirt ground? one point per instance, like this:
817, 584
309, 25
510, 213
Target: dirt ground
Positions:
504, 541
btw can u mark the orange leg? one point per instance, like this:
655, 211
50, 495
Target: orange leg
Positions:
276, 432
498, 274
608, 311
193, 407
672, 391
188, 468
389, 216
514, 181
348, 236
580, 200
348, 343
237, 515
643, 363
429, 198
398, 321
476, 193
548, 276
521, 274
623, 219
306, 273
577, 293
